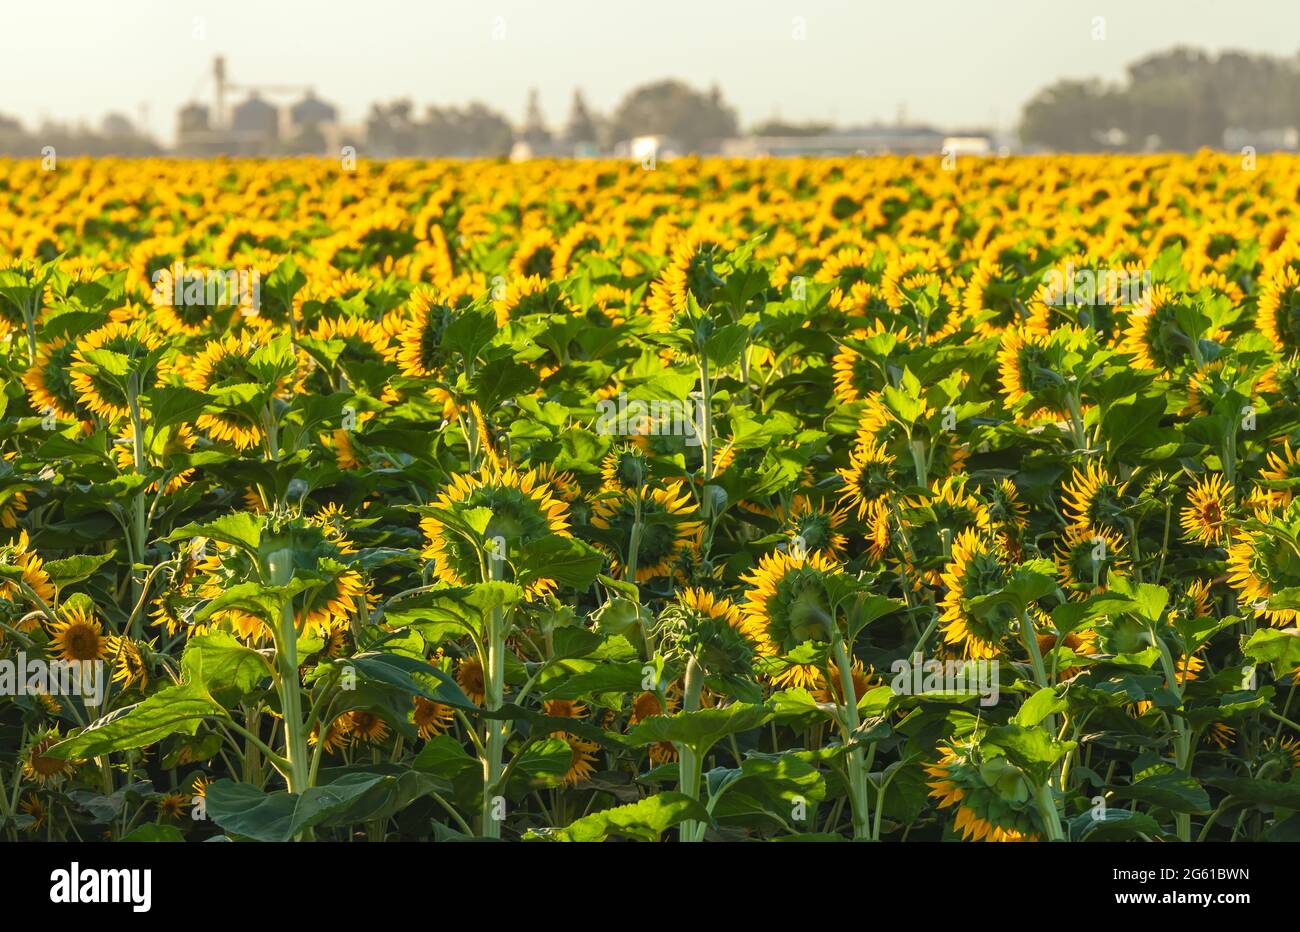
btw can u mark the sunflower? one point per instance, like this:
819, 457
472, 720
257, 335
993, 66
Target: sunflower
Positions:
624, 468
1093, 496
522, 510
864, 680
583, 753
994, 799
129, 666
20, 554
1153, 336
646, 705
814, 525
419, 353
77, 634
978, 567
711, 629
669, 529
1086, 556
470, 679
990, 300
33, 807
172, 806
49, 380
1262, 560
1278, 313
855, 372
689, 273
535, 255
222, 363
96, 389
1024, 369
788, 601
1284, 469
933, 520
39, 766
868, 478
432, 718
363, 727
1209, 504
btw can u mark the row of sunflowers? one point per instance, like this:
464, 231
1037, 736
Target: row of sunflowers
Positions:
872, 499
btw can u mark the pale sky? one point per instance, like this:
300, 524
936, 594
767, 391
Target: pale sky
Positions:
952, 63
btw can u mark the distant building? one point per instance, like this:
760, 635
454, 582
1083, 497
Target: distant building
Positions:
255, 125
311, 112
870, 140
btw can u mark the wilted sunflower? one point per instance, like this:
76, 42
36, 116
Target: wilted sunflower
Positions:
77, 634
1209, 506
978, 567
523, 509
994, 799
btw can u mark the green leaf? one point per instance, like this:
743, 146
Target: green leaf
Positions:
700, 729
173, 710
75, 569
1038, 706
1173, 791
645, 820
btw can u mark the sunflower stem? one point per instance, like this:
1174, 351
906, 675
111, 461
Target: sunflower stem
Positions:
857, 763
494, 689
279, 565
689, 763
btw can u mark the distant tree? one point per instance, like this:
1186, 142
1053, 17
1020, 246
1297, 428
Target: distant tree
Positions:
671, 108
581, 128
1072, 115
535, 132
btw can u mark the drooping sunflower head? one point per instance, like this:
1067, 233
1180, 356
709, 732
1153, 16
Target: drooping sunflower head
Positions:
994, 798
522, 509
978, 567
789, 601
670, 528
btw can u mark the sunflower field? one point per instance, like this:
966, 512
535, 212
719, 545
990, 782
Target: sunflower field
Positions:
866, 499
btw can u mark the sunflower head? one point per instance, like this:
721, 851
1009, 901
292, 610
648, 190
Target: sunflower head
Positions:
978, 567
669, 528
790, 600
519, 508
1086, 557
1209, 509
76, 634
1263, 559
709, 628
994, 799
